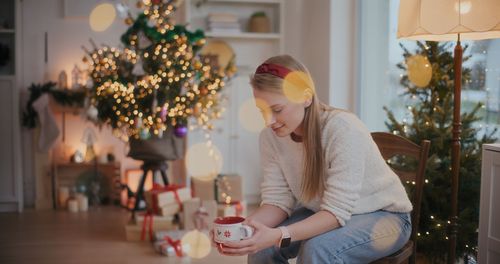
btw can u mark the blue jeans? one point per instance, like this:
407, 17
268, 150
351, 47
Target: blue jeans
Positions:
364, 238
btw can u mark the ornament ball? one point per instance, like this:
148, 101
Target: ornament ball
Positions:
180, 131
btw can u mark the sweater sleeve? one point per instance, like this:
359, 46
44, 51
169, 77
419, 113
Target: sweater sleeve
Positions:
274, 188
345, 151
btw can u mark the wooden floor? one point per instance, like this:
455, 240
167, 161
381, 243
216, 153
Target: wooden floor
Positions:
97, 236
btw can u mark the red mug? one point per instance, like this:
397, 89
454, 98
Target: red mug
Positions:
231, 228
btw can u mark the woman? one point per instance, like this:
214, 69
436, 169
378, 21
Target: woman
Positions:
327, 194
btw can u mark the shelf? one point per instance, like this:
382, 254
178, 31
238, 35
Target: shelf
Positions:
11, 31
246, 1
244, 35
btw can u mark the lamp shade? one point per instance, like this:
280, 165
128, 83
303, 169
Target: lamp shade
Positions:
443, 20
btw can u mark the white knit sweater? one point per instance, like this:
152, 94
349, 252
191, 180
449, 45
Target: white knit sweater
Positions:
357, 178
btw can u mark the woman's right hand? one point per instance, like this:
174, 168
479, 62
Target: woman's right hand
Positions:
215, 244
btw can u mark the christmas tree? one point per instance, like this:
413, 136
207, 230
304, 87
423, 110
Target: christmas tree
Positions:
159, 80
428, 83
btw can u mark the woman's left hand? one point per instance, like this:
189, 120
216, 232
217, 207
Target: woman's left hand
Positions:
262, 238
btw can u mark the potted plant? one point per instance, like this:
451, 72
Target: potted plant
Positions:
259, 22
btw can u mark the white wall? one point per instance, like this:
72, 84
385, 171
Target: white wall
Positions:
343, 58
322, 34
294, 24
316, 44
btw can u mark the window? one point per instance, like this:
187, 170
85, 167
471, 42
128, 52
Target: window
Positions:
379, 77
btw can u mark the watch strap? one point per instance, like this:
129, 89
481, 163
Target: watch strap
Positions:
285, 239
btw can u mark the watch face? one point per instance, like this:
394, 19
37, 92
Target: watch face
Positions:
285, 242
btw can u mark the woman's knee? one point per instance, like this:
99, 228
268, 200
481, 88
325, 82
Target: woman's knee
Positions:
316, 250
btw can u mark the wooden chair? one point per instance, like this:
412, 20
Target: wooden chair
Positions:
391, 145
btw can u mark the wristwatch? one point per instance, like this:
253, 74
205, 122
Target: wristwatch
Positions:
285, 239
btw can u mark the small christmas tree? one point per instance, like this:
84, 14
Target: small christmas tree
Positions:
428, 82
159, 80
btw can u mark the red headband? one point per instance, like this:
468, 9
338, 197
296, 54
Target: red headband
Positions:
273, 69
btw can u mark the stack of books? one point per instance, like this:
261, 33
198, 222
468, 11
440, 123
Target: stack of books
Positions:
223, 23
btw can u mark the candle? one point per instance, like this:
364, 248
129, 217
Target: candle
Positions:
103, 158
83, 202
63, 195
73, 205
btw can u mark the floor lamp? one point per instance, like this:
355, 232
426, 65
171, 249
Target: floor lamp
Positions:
451, 20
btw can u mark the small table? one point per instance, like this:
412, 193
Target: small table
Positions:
67, 173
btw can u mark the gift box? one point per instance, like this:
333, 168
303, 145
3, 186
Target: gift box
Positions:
232, 209
168, 243
198, 214
171, 248
169, 209
161, 196
203, 188
143, 226
174, 234
159, 222
229, 188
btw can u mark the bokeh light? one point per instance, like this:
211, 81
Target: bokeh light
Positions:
419, 70
298, 86
199, 244
251, 118
204, 160
101, 17
387, 242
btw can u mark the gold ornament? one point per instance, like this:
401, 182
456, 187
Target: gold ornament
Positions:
129, 21
223, 52
197, 65
419, 70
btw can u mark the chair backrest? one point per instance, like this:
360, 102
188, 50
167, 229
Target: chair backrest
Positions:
391, 145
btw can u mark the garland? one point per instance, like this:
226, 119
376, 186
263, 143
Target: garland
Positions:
62, 97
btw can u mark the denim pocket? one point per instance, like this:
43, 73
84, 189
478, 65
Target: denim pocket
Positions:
406, 217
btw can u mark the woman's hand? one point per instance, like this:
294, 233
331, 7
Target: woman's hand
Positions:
262, 238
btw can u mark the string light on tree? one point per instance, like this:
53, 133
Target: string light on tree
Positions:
159, 80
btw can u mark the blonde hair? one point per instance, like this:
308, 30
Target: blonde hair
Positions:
313, 180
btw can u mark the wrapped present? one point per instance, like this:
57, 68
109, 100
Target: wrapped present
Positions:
144, 225
203, 188
161, 196
229, 188
165, 248
169, 209
159, 222
169, 244
174, 234
198, 214
232, 209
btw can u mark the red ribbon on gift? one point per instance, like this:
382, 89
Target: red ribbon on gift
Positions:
157, 189
148, 222
176, 244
